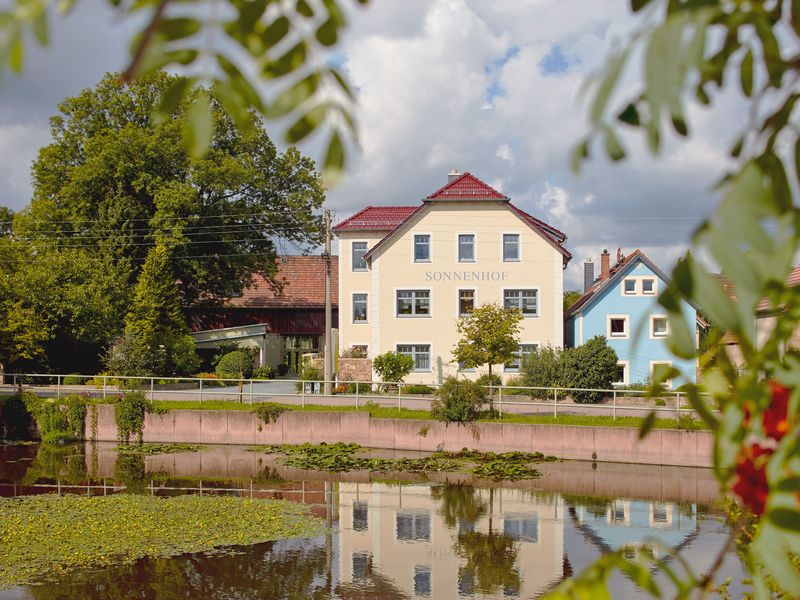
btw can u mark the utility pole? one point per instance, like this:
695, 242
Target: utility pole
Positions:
328, 376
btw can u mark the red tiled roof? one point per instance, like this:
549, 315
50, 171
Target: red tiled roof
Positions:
378, 218
466, 187
792, 280
302, 280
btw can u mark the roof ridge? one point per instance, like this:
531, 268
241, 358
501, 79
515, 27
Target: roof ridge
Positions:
441, 191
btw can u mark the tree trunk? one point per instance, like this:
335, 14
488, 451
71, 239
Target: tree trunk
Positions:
241, 385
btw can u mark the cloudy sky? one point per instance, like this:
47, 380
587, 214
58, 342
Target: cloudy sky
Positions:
489, 87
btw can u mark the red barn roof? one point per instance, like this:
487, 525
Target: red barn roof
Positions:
466, 187
302, 281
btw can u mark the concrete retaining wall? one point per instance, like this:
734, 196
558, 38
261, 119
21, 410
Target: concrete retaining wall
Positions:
607, 444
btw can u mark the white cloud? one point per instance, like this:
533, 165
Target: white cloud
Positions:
504, 151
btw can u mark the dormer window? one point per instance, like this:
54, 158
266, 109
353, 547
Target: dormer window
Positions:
629, 287
648, 286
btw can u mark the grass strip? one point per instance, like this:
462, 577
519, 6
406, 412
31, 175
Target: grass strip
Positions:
43, 537
387, 412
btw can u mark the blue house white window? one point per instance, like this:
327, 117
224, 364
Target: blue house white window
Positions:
617, 327
659, 326
629, 286
648, 287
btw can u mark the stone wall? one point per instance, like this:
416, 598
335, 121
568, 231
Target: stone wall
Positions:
355, 369
607, 444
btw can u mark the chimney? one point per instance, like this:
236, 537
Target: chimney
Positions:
453, 174
588, 274
605, 265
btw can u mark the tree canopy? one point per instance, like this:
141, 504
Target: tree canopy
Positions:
114, 183
489, 335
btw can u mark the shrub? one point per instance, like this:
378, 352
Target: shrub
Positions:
458, 401
265, 372
268, 412
341, 388
236, 364
129, 412
359, 388
73, 379
282, 369
182, 357
354, 352
486, 380
130, 355
309, 374
660, 402
418, 389
542, 368
592, 365
393, 367
16, 420
210, 380
97, 381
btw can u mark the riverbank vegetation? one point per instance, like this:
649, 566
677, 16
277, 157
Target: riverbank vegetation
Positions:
45, 536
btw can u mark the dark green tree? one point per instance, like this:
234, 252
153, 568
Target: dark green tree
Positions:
571, 297
114, 183
590, 366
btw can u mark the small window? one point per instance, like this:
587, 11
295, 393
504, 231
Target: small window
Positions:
622, 373
359, 308
522, 529
649, 286
657, 368
618, 327
466, 301
362, 565
422, 248
510, 247
359, 250
523, 352
630, 287
360, 516
413, 527
422, 581
466, 247
463, 368
660, 513
413, 303
421, 353
526, 301
660, 326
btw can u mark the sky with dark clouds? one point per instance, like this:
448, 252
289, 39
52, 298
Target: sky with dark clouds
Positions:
489, 87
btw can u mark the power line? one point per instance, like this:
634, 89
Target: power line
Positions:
143, 219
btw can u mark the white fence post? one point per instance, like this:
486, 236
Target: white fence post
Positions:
104, 387
58, 386
614, 405
399, 389
302, 393
357, 387
201, 391
555, 402
251, 391
678, 407
500, 400
152, 388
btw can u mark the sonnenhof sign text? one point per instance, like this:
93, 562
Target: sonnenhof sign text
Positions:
466, 275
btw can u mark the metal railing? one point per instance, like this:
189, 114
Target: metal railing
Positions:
503, 398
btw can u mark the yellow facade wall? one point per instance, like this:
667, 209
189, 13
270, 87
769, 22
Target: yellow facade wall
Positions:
393, 268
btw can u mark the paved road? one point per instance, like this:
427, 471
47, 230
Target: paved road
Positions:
284, 392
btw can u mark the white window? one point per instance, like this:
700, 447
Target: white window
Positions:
422, 248
466, 302
413, 527
629, 286
648, 287
360, 516
413, 303
421, 353
623, 370
617, 326
659, 365
522, 528
523, 352
466, 247
359, 308
359, 250
659, 326
526, 301
422, 581
510, 247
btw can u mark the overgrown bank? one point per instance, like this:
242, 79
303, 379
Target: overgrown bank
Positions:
45, 536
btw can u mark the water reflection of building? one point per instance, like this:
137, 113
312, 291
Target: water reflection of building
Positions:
451, 540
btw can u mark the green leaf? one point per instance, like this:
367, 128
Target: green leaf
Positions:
579, 154
334, 160
639, 573
306, 124
276, 31
342, 82
630, 116
609, 81
178, 28
785, 518
637, 5
771, 50
746, 73
679, 124
613, 147
790, 484
240, 84
173, 96
251, 12
737, 147
327, 33
647, 424
292, 97
15, 56
292, 59
39, 27
304, 9
797, 157
198, 128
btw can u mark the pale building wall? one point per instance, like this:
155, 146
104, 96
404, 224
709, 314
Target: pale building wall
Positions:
539, 561
393, 268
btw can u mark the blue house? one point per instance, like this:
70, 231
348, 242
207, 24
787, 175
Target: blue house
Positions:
621, 305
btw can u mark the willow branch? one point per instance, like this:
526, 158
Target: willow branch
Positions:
147, 36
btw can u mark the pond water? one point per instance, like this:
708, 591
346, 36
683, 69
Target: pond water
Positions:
445, 536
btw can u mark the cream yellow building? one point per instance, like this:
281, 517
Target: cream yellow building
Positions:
407, 272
